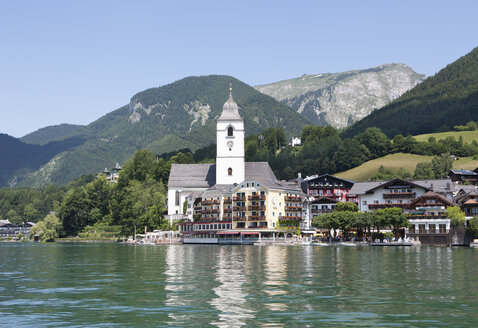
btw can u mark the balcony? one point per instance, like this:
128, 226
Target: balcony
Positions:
239, 198
210, 211
228, 210
227, 201
239, 208
210, 202
239, 218
290, 218
256, 208
257, 217
293, 208
256, 197
386, 205
321, 211
293, 198
398, 195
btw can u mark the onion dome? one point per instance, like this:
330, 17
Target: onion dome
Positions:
230, 110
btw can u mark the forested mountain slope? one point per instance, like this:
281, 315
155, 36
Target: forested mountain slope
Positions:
51, 133
442, 101
178, 115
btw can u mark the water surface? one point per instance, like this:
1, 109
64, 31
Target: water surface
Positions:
85, 285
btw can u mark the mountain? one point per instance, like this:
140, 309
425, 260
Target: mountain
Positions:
178, 115
442, 101
339, 99
51, 133
19, 158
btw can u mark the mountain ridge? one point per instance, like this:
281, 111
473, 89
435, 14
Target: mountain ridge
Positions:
339, 99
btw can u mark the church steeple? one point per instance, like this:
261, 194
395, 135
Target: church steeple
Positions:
230, 110
230, 166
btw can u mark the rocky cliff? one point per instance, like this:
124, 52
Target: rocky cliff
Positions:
339, 99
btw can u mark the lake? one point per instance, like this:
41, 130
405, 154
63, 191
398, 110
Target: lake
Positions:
85, 285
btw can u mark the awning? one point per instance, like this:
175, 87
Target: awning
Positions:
227, 233
249, 232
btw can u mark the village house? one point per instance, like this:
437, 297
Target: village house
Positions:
374, 195
428, 220
464, 176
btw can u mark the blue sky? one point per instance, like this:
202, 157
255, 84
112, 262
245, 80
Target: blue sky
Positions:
74, 61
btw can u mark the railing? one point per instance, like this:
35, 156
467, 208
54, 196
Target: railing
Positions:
239, 198
398, 195
257, 217
256, 197
256, 207
227, 201
293, 208
210, 201
239, 208
322, 211
386, 205
228, 210
239, 218
209, 211
293, 198
290, 218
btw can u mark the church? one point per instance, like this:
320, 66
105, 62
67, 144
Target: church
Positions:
232, 194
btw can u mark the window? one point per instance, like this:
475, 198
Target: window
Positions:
229, 171
230, 131
177, 198
442, 228
431, 228
364, 202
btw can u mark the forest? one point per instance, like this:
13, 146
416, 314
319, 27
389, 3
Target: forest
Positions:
138, 199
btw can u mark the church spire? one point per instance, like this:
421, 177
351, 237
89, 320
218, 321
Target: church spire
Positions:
230, 110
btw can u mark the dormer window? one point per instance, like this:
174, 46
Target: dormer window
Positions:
230, 131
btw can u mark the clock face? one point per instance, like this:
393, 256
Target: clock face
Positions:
230, 144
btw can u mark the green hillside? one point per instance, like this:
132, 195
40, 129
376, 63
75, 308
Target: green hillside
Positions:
442, 101
178, 115
19, 158
468, 136
51, 133
395, 161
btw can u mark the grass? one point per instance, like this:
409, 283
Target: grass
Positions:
468, 136
395, 161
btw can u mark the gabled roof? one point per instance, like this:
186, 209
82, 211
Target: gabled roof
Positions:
192, 175
462, 197
259, 170
432, 195
324, 200
361, 188
318, 177
204, 175
464, 172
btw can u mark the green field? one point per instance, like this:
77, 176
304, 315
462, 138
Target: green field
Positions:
395, 161
468, 136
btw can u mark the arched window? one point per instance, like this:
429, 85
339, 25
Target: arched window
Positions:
230, 131
229, 171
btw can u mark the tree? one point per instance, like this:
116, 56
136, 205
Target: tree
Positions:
376, 141
75, 210
48, 229
424, 170
396, 219
473, 227
346, 206
441, 165
456, 216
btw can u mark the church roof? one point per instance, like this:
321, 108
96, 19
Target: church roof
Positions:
230, 110
204, 175
192, 175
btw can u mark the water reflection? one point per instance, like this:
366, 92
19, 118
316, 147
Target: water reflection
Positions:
175, 286
275, 277
231, 299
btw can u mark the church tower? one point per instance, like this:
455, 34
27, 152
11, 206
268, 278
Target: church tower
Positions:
230, 167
